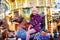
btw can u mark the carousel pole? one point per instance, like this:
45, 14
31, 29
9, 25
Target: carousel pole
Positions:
51, 1
45, 13
25, 3
8, 17
16, 4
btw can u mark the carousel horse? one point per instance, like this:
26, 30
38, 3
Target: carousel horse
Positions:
22, 21
22, 24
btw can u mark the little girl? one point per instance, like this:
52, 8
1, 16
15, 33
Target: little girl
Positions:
34, 22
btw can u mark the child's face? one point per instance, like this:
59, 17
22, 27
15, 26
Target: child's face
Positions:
34, 12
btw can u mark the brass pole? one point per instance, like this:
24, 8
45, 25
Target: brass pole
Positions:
37, 2
51, 4
16, 4
45, 13
26, 3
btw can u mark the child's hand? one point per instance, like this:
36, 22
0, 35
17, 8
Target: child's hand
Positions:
30, 27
